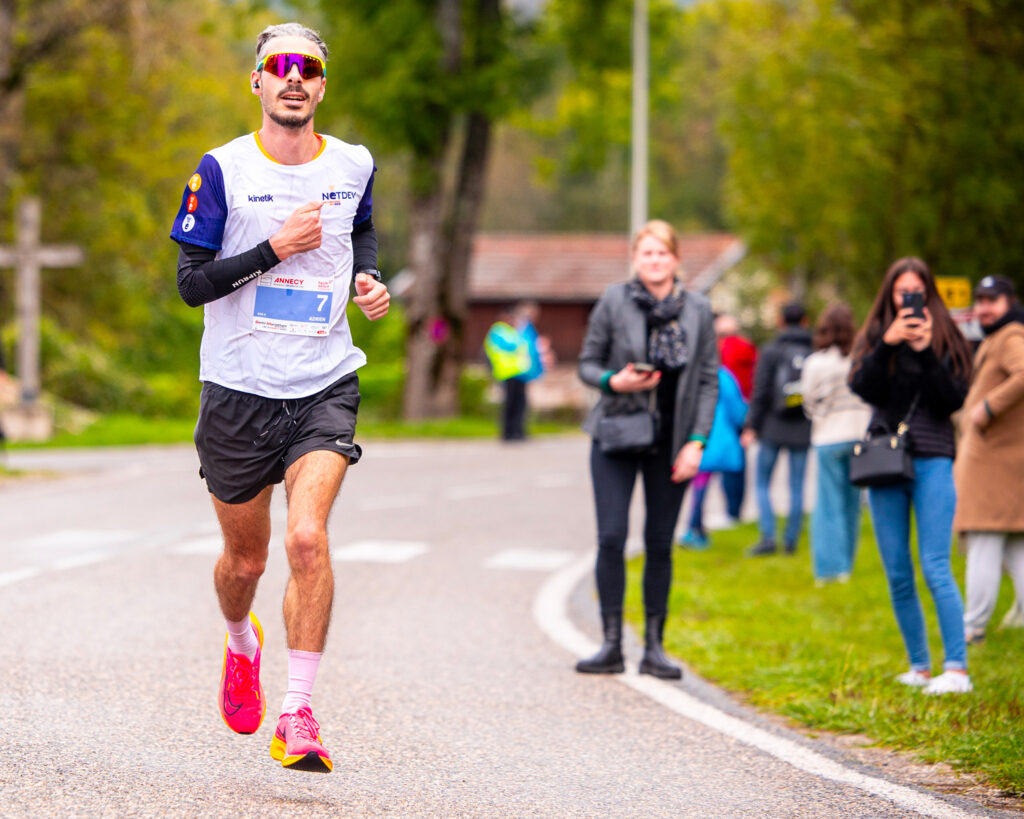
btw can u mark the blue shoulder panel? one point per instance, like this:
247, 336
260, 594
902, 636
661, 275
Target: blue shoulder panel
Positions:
365, 209
204, 210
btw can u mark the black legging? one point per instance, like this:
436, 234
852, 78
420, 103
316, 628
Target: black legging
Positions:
614, 477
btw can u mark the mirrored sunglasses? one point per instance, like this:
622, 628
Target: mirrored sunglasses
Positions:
280, 65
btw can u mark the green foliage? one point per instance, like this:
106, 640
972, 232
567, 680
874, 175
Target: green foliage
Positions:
826, 657
860, 132
115, 123
584, 129
393, 84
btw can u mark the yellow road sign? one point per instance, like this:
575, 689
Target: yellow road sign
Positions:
955, 291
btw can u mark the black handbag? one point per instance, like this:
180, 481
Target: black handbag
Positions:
631, 433
882, 459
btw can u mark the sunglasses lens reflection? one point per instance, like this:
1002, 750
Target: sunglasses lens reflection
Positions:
280, 65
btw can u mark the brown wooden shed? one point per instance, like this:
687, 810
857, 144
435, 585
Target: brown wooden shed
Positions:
565, 274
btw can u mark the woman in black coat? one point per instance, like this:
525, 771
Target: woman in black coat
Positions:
650, 344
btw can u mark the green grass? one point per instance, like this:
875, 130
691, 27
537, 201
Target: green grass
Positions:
123, 430
827, 657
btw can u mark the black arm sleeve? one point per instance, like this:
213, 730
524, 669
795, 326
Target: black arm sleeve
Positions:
202, 278
364, 246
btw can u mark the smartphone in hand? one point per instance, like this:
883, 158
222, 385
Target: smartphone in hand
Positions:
642, 367
916, 302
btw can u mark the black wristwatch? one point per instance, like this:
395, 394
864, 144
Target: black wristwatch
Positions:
374, 272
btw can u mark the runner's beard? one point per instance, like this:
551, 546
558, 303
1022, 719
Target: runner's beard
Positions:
296, 121
288, 119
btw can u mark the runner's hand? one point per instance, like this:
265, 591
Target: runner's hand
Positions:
372, 297
300, 232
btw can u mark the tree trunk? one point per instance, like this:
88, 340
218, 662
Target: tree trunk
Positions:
441, 245
425, 261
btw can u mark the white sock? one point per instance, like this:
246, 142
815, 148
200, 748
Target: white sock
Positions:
302, 666
242, 637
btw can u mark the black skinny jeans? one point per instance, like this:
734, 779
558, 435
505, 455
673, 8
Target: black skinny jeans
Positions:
614, 477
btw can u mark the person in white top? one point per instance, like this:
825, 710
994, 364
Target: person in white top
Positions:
273, 229
838, 420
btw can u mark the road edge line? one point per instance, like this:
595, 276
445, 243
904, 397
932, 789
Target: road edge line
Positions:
550, 611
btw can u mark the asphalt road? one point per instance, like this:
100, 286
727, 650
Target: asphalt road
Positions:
446, 689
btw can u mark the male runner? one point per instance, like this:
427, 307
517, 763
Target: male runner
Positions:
272, 228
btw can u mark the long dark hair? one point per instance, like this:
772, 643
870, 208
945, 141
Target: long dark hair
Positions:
947, 340
835, 327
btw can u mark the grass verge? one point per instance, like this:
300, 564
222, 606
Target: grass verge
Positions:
827, 657
125, 430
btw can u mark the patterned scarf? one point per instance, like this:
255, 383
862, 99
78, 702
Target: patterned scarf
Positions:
666, 342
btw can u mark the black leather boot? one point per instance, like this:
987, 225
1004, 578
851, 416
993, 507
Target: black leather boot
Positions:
655, 662
608, 659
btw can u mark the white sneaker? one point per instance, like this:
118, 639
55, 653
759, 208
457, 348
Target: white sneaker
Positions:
949, 682
915, 679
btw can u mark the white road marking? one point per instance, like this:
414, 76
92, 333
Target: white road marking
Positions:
379, 551
74, 561
7, 578
211, 545
549, 611
385, 502
475, 491
532, 560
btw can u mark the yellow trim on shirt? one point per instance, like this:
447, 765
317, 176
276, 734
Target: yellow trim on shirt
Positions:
259, 144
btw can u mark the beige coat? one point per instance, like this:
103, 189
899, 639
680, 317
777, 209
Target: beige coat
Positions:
989, 467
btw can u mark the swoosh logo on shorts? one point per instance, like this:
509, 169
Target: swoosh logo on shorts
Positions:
344, 444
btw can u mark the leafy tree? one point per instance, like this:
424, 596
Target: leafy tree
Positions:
427, 81
857, 132
111, 125
586, 126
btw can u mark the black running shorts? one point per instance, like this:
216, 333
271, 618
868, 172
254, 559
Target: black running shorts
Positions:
246, 442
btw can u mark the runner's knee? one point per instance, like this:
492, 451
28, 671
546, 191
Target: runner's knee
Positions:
245, 567
306, 546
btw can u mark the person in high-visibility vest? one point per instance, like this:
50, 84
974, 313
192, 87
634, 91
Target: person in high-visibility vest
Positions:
508, 350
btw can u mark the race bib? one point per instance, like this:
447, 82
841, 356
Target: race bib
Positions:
296, 305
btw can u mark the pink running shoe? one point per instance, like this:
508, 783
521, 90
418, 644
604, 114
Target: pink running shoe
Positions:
296, 743
242, 704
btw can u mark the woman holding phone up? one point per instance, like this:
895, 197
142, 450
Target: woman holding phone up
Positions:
650, 349
911, 363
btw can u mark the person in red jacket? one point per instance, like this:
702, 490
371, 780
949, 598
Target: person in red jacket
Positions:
738, 353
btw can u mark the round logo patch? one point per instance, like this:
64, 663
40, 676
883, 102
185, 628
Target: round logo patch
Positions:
188, 223
196, 182
193, 203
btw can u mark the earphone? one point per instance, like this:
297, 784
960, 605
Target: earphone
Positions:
256, 84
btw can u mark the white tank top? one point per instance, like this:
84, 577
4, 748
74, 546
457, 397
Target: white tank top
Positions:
284, 334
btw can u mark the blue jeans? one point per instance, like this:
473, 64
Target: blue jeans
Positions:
734, 486
931, 492
835, 521
766, 458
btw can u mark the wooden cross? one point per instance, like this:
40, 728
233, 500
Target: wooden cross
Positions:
29, 257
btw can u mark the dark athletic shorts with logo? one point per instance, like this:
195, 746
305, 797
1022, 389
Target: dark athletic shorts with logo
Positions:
246, 442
